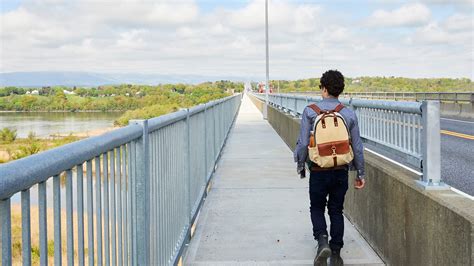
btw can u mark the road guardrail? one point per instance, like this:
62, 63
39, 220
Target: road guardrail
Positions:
411, 130
456, 97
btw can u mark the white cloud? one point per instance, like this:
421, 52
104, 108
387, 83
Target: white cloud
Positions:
300, 18
449, 2
432, 33
456, 30
132, 39
176, 37
407, 15
459, 22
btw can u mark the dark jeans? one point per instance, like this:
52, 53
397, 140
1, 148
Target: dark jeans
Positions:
321, 184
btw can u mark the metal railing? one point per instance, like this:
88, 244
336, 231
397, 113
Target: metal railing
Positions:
144, 184
456, 97
410, 130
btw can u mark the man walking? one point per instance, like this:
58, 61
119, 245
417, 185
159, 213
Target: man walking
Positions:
329, 181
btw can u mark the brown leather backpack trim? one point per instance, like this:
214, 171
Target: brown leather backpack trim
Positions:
316, 168
315, 108
331, 148
318, 110
339, 107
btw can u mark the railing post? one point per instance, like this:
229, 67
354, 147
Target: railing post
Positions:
206, 168
187, 189
5, 227
296, 106
431, 146
142, 196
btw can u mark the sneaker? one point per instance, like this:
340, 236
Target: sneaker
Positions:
323, 251
335, 259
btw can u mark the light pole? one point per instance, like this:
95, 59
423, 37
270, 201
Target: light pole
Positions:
267, 85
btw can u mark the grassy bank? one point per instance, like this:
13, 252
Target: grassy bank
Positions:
35, 248
19, 148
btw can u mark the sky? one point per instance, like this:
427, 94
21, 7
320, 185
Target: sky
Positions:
426, 38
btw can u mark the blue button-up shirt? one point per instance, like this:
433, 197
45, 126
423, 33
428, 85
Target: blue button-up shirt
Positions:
308, 117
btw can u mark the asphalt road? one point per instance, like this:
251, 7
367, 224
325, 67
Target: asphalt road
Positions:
457, 154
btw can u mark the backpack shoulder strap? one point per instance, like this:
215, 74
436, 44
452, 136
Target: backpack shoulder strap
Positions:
315, 108
339, 107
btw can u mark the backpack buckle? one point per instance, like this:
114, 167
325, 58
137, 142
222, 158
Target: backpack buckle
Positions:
333, 148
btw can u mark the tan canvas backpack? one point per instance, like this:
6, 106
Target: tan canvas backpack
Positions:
330, 142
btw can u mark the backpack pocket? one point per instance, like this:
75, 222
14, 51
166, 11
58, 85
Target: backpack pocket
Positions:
332, 154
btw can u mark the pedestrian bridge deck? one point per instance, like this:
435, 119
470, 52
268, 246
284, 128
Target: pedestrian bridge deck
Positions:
257, 211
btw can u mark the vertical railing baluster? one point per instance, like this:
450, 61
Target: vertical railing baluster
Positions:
43, 232
151, 201
385, 126
161, 194
90, 214
170, 207
119, 205
69, 220
167, 198
399, 129
57, 220
6, 227
25, 227
129, 251
187, 151
125, 199
133, 213
205, 142
105, 201
113, 227
157, 197
98, 218
125, 188
214, 137
419, 134
392, 128
80, 213
413, 132
405, 132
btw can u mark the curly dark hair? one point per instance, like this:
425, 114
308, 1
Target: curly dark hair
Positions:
333, 81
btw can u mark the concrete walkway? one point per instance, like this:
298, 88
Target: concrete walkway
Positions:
257, 212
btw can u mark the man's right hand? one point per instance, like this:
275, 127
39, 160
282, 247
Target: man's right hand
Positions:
359, 183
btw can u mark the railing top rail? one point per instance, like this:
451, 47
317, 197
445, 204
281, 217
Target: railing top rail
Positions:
392, 92
164, 120
23, 173
167, 119
406, 107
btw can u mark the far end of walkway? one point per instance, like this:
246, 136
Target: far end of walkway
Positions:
257, 211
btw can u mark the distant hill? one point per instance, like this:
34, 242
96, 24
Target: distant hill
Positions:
90, 79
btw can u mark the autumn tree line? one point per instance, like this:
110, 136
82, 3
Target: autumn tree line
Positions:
381, 84
136, 101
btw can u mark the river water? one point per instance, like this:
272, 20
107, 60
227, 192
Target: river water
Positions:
45, 124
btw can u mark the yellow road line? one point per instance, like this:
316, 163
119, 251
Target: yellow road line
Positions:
456, 134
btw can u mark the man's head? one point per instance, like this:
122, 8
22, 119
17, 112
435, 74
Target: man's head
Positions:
332, 83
